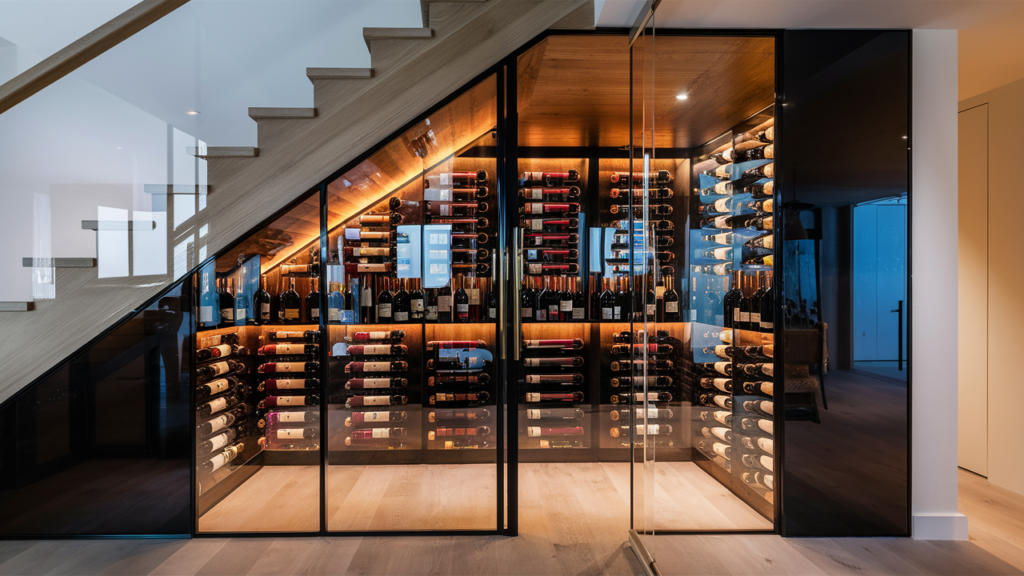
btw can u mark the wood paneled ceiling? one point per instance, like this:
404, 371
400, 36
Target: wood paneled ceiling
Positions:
574, 90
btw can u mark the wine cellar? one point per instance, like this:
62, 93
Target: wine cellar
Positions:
541, 281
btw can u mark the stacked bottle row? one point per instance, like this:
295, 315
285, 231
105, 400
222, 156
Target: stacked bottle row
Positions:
652, 383
550, 212
289, 373
657, 216
239, 300
553, 385
461, 386
374, 378
225, 413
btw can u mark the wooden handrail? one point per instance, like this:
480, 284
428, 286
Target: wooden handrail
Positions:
69, 58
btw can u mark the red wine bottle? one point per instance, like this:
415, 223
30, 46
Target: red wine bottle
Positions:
275, 384
289, 401
444, 432
222, 421
535, 431
372, 383
377, 349
548, 178
555, 415
393, 336
639, 397
458, 415
219, 351
570, 362
308, 336
549, 194
222, 459
220, 404
562, 344
459, 377
214, 387
291, 367
393, 400
392, 366
640, 413
541, 239
557, 379
288, 349
220, 368
379, 417
573, 397
218, 442
466, 397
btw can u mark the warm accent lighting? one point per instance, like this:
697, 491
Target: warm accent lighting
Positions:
681, 96
192, 113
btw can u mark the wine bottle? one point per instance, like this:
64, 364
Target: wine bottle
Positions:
289, 401
369, 383
713, 369
641, 430
218, 339
723, 384
416, 301
222, 421
288, 349
549, 224
222, 459
719, 416
765, 171
227, 303
671, 302
431, 312
720, 400
392, 400
724, 238
655, 381
468, 221
765, 444
375, 417
219, 351
760, 191
557, 414
291, 367
732, 302
385, 301
261, 304
219, 404
378, 433
578, 301
759, 407
558, 443
368, 268
309, 336
445, 432
768, 314
276, 384
639, 348
548, 178
564, 300
293, 438
763, 424
455, 208
335, 303
535, 431
718, 432
549, 208
392, 366
540, 239
401, 306
383, 337
640, 413
313, 302
757, 370
759, 462
731, 222
764, 387
458, 415
638, 211
461, 303
638, 193
492, 304
714, 269
570, 362
716, 254
470, 397
656, 177
549, 303
550, 194
610, 309
444, 304
639, 397
574, 397
527, 298
457, 179
561, 344
557, 379
764, 206
217, 442
638, 365
220, 368
377, 349
290, 307
759, 479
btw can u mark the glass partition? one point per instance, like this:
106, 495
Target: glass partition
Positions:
413, 374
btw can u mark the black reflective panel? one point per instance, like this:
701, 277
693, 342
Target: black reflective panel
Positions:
845, 243
101, 445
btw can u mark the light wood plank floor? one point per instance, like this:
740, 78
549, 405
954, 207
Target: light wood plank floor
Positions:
462, 497
561, 544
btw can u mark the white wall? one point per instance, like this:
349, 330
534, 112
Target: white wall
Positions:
934, 290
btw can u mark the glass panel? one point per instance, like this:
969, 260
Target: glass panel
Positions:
844, 256
413, 327
101, 445
259, 375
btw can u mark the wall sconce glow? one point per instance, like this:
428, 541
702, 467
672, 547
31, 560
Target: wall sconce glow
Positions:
192, 113
681, 96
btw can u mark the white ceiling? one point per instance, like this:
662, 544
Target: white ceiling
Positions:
991, 42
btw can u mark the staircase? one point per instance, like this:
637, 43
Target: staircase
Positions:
352, 111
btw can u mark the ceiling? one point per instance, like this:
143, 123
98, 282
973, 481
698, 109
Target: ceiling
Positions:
574, 90
991, 47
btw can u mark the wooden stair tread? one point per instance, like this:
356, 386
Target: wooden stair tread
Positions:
271, 113
425, 8
129, 225
59, 262
396, 34
228, 152
15, 306
338, 73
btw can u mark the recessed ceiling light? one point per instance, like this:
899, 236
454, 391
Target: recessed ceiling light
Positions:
904, 137
192, 113
681, 96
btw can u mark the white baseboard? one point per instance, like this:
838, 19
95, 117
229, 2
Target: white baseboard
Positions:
949, 526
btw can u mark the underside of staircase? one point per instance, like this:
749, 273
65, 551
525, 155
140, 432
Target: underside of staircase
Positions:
352, 111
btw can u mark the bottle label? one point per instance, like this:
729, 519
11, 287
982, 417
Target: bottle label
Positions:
744, 316
492, 313
534, 193
617, 313
376, 349
401, 316
265, 311
606, 313
220, 368
291, 314
672, 307
290, 348
376, 416
431, 312
290, 383
527, 312
474, 296
217, 461
333, 315
651, 309
755, 317
227, 314
209, 341
240, 313
542, 315
444, 304
462, 308
384, 310
416, 305
291, 416
206, 314
219, 422
735, 314
382, 433
314, 313
565, 306
553, 311
535, 268
291, 400
577, 314
376, 382
376, 400
217, 405
218, 442
289, 433
217, 386
767, 325
376, 366
348, 317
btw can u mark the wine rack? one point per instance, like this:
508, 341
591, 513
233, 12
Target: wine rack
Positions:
289, 373
555, 403
374, 371
462, 388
